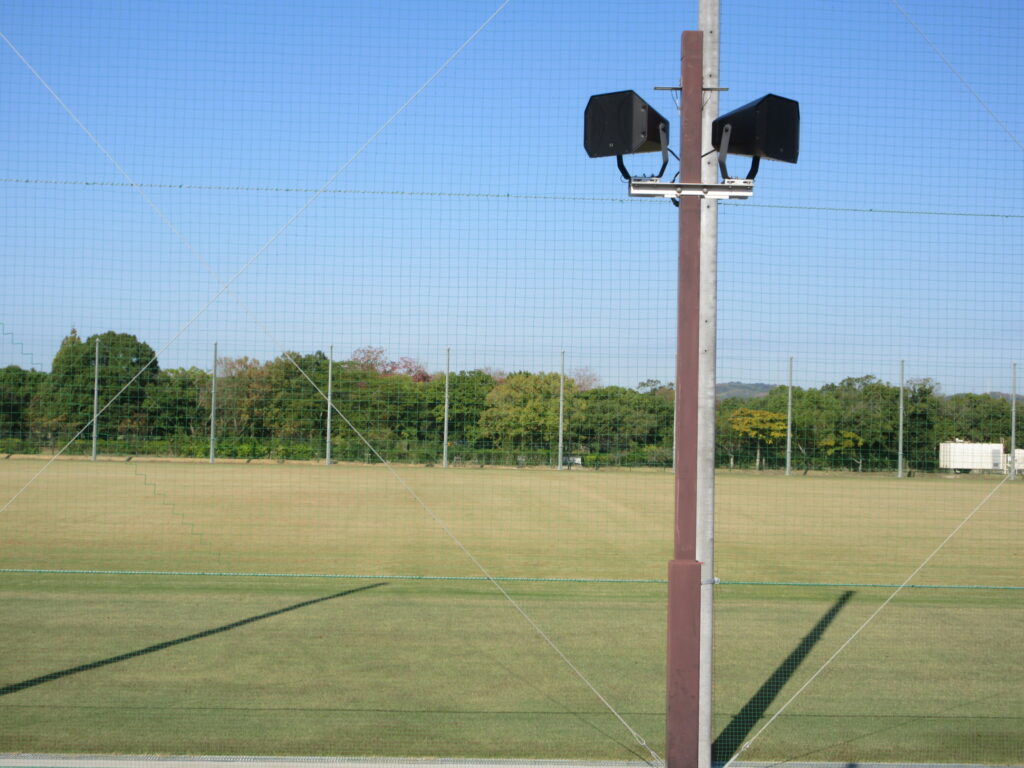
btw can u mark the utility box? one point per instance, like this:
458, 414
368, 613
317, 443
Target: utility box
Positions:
966, 457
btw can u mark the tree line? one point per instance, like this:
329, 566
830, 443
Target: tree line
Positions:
278, 409
855, 425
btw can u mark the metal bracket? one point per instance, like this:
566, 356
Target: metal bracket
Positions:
723, 153
677, 88
663, 138
729, 189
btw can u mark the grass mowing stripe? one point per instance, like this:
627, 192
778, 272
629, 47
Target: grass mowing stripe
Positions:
863, 586
530, 579
229, 574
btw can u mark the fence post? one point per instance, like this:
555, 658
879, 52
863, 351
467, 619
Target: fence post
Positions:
1013, 423
561, 412
899, 449
213, 408
789, 421
447, 374
330, 402
95, 396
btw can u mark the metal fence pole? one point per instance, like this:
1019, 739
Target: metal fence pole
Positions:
330, 402
213, 408
709, 23
447, 376
899, 449
1013, 423
561, 413
789, 422
95, 397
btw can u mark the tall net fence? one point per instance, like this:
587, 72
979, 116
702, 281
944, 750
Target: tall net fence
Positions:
336, 384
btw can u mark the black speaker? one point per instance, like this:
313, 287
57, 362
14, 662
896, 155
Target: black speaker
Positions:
768, 127
621, 123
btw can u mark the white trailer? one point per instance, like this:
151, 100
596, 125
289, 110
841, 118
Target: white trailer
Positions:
963, 457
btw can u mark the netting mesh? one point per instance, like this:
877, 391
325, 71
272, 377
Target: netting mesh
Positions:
305, 305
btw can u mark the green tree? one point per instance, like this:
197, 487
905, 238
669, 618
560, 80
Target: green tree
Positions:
243, 398
178, 403
62, 407
813, 419
923, 424
296, 410
522, 411
467, 399
17, 388
399, 404
869, 409
392, 410
975, 418
616, 420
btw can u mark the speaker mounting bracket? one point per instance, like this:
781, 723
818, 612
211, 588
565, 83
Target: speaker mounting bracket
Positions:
729, 189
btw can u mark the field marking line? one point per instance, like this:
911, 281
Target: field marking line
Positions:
867, 621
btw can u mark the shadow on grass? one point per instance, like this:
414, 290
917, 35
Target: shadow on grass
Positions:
15, 687
589, 719
736, 732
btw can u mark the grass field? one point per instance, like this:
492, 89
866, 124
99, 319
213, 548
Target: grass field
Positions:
355, 653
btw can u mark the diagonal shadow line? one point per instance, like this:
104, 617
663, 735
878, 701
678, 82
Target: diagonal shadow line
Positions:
15, 687
734, 734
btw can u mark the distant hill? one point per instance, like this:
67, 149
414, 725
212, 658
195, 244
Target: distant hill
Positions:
739, 389
1001, 396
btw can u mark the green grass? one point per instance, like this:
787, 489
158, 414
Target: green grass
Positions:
448, 668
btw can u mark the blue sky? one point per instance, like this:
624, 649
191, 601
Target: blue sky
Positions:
474, 220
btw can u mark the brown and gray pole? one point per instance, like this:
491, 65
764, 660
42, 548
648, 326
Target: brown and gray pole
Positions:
684, 572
